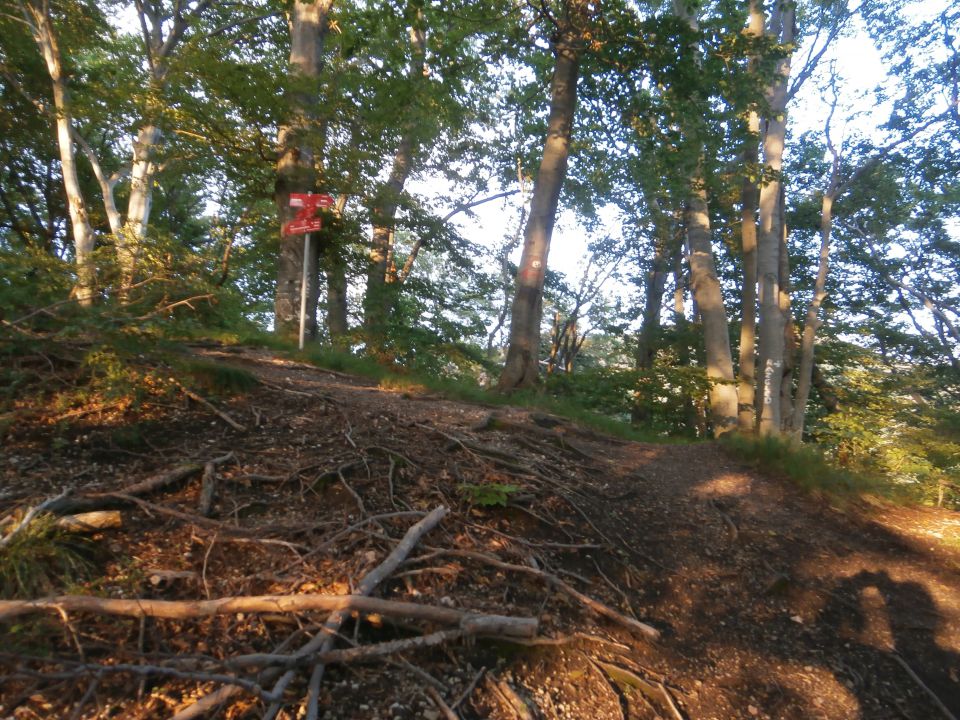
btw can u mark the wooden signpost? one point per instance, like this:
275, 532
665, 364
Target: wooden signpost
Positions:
305, 222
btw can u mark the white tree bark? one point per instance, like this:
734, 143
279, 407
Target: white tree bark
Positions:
162, 32
771, 326
38, 18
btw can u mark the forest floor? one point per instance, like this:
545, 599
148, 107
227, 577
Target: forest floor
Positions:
769, 603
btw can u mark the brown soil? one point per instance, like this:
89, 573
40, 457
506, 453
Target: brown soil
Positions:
771, 604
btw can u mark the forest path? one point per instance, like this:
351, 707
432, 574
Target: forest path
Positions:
770, 603
771, 599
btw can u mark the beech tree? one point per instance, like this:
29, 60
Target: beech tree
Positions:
569, 34
298, 142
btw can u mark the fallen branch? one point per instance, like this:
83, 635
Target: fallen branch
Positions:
91, 521
208, 488
469, 689
923, 686
64, 505
29, 517
197, 520
209, 406
647, 631
344, 604
323, 642
479, 625
83, 669
441, 704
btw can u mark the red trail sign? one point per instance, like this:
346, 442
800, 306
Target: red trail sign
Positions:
304, 221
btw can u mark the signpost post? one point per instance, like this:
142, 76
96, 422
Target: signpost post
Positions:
305, 222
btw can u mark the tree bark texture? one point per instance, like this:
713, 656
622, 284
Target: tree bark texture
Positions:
746, 391
771, 326
707, 295
746, 414
665, 252
655, 287
335, 269
713, 314
41, 26
790, 344
159, 47
523, 353
377, 301
295, 168
130, 239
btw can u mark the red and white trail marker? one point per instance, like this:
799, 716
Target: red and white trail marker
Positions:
304, 223
311, 201
300, 226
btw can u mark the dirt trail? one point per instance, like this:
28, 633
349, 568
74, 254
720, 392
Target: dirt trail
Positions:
770, 604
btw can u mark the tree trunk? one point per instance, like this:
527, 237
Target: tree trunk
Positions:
295, 168
648, 340
713, 314
83, 237
377, 302
134, 231
789, 327
523, 354
335, 269
771, 326
655, 286
746, 416
707, 295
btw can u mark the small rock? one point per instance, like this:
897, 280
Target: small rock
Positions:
431, 715
752, 710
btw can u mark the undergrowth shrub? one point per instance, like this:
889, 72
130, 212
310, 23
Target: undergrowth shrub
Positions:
807, 466
43, 559
664, 400
216, 378
900, 424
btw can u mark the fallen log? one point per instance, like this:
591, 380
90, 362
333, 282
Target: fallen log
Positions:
91, 521
70, 505
346, 604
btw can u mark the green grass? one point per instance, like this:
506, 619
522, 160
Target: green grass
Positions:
215, 377
810, 470
467, 390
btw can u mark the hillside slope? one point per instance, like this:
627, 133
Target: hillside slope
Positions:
767, 603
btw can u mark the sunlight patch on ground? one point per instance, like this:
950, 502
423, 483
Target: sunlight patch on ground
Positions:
726, 485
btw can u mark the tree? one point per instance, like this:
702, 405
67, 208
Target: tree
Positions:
298, 145
522, 366
39, 19
706, 285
